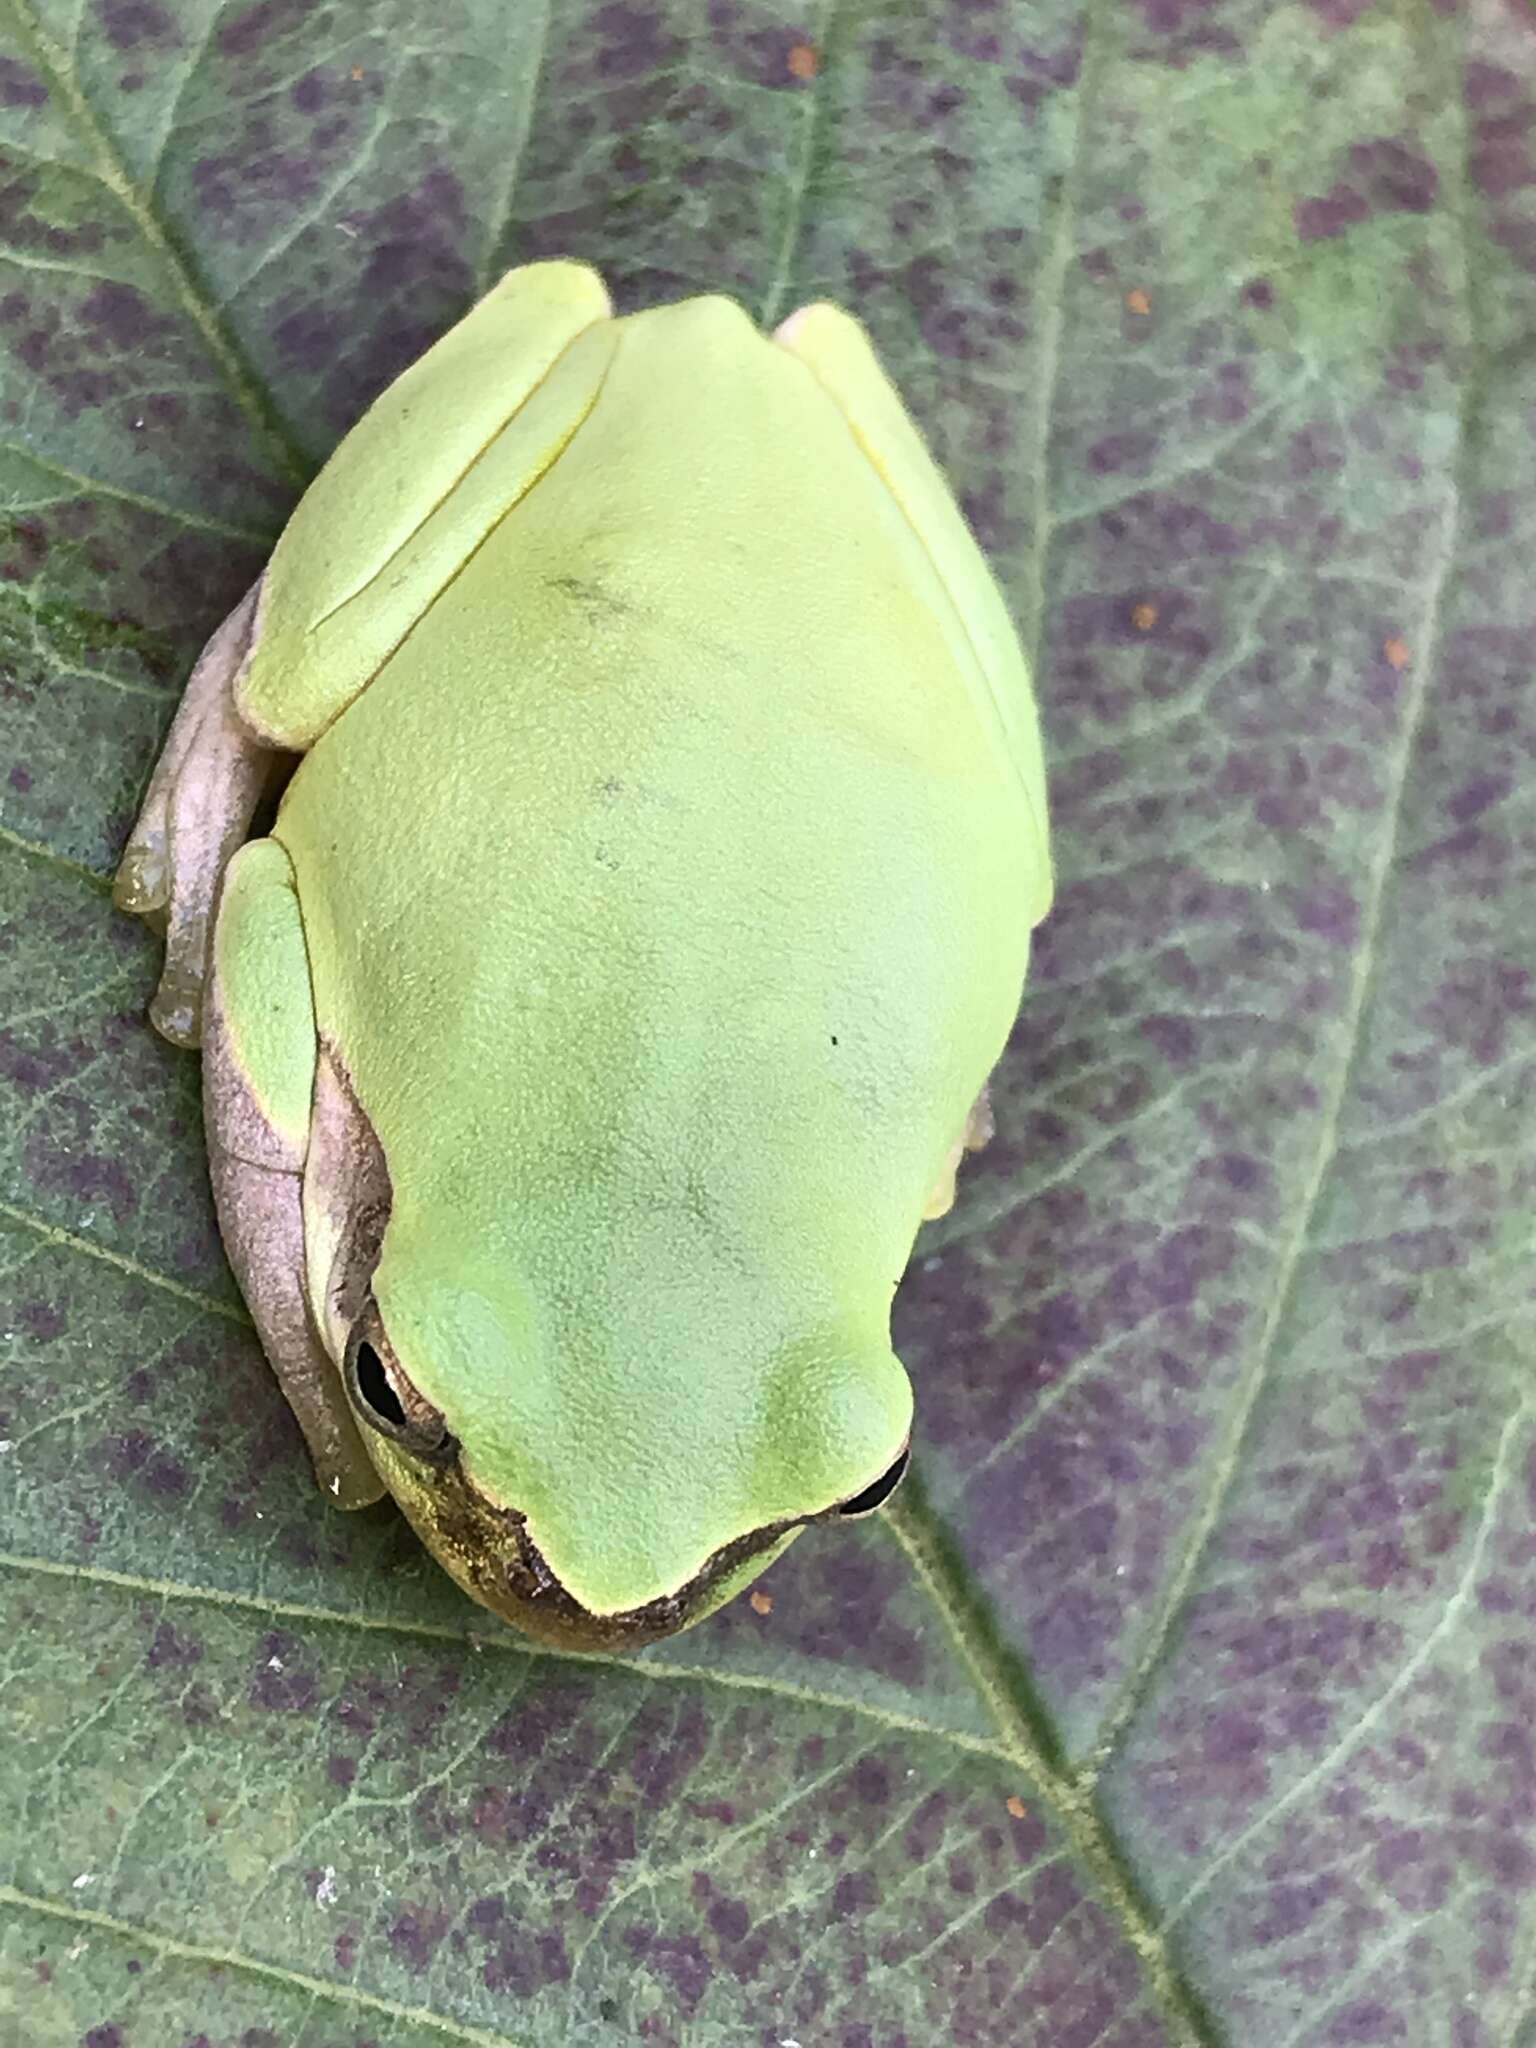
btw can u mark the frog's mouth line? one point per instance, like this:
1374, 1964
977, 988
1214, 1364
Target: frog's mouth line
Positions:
513, 1580
489, 1550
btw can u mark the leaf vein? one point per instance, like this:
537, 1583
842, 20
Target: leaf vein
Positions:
499, 212
254, 401
68, 1240
1227, 1460
508, 1644
1455, 1602
230, 1959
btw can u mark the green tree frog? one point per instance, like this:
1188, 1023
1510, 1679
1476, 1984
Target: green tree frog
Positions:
617, 987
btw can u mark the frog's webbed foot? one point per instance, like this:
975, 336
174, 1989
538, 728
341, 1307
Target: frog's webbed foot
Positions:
210, 777
978, 1131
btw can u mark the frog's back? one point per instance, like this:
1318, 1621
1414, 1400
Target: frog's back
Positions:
724, 869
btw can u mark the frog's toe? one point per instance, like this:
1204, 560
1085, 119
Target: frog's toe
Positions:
142, 884
176, 1010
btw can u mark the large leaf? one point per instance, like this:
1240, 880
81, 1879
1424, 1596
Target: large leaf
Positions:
1189, 1695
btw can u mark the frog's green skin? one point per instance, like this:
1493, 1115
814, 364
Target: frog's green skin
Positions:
620, 980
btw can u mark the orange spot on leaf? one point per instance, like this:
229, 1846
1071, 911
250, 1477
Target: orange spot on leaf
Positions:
804, 61
760, 1602
1144, 617
1137, 302
1016, 1806
1397, 652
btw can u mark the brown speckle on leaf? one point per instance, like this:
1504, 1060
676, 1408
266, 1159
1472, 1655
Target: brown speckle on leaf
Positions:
1137, 302
1144, 617
1016, 1806
760, 1602
1397, 652
803, 60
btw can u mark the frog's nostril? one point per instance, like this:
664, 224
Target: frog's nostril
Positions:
374, 1388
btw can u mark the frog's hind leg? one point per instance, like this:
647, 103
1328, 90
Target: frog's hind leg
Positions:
837, 352
210, 777
979, 1129
259, 1066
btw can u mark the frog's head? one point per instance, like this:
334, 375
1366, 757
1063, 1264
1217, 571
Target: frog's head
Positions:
596, 1499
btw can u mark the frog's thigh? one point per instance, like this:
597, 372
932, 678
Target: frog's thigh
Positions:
978, 1132
424, 476
206, 785
258, 1079
837, 351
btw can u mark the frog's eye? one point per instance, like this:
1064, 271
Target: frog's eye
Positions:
371, 1387
876, 1495
384, 1398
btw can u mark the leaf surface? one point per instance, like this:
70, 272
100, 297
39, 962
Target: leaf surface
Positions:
1187, 1697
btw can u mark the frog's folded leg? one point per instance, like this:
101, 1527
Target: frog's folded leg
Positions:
464, 433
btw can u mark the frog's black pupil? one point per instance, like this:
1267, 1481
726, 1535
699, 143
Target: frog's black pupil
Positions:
882, 1490
373, 1385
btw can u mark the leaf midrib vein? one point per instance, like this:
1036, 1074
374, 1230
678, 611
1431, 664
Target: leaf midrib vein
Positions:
112, 171
1070, 1804
801, 175
499, 212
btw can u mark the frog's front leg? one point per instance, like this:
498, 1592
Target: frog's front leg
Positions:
416, 485
207, 783
259, 1065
